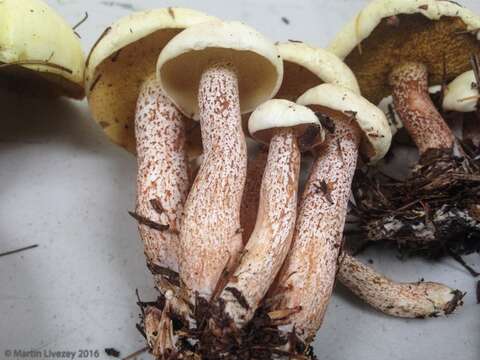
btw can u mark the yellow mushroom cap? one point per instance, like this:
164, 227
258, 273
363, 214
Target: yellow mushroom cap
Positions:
122, 59
370, 119
438, 33
306, 66
257, 62
41, 47
462, 94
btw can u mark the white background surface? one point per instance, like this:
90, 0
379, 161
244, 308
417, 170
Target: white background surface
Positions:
65, 187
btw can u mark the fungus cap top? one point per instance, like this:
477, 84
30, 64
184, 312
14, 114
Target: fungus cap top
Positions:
306, 66
31, 31
122, 59
370, 119
462, 94
257, 62
281, 114
389, 32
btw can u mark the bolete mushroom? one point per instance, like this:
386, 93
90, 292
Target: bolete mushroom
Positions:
288, 128
305, 283
399, 47
214, 72
462, 96
417, 300
127, 101
39, 51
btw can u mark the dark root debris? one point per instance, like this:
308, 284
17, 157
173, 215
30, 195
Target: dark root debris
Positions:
213, 335
435, 212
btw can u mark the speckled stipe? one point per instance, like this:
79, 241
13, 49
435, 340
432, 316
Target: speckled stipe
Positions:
408, 300
308, 275
210, 236
416, 109
162, 172
270, 241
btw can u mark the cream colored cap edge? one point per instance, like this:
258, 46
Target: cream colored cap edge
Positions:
324, 64
368, 19
370, 118
279, 113
206, 35
136, 26
43, 35
462, 94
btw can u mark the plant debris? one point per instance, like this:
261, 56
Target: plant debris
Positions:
434, 212
77, 25
18, 250
147, 222
126, 6
112, 352
135, 354
211, 334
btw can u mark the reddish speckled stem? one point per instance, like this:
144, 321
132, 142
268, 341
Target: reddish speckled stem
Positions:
408, 300
307, 277
418, 113
271, 238
162, 172
210, 235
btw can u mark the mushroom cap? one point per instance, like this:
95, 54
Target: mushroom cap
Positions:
462, 94
387, 33
257, 62
32, 32
305, 67
123, 58
370, 119
281, 114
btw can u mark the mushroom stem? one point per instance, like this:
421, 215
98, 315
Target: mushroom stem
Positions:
210, 235
251, 194
407, 300
307, 277
162, 178
162, 188
418, 113
270, 241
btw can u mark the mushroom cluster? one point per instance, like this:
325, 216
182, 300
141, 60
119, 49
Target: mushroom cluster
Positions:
244, 263
401, 48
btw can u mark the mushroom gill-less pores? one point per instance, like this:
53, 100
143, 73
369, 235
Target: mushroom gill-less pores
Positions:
39, 51
408, 300
127, 101
462, 96
305, 283
288, 128
398, 47
214, 72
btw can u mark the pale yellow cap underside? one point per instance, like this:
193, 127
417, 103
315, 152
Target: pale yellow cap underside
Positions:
257, 62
